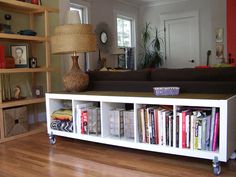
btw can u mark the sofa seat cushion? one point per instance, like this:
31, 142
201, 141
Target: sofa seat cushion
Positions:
119, 76
196, 74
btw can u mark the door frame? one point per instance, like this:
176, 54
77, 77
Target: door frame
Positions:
181, 15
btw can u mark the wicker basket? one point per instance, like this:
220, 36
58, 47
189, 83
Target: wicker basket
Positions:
15, 121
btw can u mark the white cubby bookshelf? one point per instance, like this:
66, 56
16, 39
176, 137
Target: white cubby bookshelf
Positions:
107, 101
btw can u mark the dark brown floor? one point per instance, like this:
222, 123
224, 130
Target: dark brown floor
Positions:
33, 157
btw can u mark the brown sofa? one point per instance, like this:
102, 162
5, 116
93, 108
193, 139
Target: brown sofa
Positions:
197, 80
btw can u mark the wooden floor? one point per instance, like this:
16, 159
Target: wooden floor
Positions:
33, 157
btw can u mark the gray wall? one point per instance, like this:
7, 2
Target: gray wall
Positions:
212, 14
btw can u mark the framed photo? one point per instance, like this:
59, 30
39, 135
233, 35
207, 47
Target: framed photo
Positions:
20, 52
37, 91
219, 51
219, 35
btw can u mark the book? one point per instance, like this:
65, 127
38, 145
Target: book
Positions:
187, 131
84, 122
2, 56
204, 132
142, 116
208, 132
213, 115
79, 109
164, 127
216, 132
180, 129
199, 134
193, 123
196, 135
160, 125
156, 126
184, 139
177, 131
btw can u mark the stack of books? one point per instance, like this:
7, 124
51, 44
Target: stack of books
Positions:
191, 128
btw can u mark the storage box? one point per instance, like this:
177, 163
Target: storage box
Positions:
129, 124
15, 121
116, 122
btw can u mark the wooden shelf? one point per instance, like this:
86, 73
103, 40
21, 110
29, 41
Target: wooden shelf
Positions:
34, 129
27, 101
24, 7
25, 70
22, 37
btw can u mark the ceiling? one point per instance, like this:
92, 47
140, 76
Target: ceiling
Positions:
152, 2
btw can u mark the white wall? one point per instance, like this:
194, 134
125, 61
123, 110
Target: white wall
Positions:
106, 11
212, 14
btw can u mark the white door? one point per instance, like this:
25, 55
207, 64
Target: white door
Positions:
181, 41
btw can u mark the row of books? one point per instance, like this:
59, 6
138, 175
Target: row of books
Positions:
121, 123
88, 119
193, 128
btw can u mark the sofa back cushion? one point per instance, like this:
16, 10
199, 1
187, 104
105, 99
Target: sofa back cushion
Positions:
119, 76
197, 74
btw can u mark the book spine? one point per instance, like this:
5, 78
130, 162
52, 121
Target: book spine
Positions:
196, 135
84, 128
204, 127
146, 117
164, 127
174, 133
170, 131
193, 121
177, 131
183, 129
139, 126
2, 57
180, 130
213, 115
156, 126
167, 131
199, 134
160, 127
216, 131
153, 126
208, 133
187, 132
78, 119
143, 125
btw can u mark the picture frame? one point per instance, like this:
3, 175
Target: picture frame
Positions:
219, 35
37, 91
20, 52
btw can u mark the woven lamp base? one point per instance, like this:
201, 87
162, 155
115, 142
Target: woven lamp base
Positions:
75, 80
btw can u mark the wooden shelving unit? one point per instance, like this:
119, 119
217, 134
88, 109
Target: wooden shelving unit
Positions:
31, 10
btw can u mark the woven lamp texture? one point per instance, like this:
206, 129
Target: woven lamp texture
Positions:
73, 38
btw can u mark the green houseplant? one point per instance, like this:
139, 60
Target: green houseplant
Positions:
150, 54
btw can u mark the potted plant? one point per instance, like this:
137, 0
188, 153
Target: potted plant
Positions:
150, 55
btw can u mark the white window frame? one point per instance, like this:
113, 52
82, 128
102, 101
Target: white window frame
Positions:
85, 14
132, 29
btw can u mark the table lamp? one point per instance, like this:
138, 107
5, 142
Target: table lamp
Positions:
74, 39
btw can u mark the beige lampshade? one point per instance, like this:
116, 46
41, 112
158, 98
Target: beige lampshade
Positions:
73, 38
72, 17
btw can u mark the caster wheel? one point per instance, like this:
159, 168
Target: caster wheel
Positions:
52, 139
233, 156
217, 171
216, 166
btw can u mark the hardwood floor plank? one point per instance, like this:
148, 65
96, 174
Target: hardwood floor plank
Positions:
33, 156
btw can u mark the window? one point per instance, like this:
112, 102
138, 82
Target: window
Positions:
83, 12
124, 32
